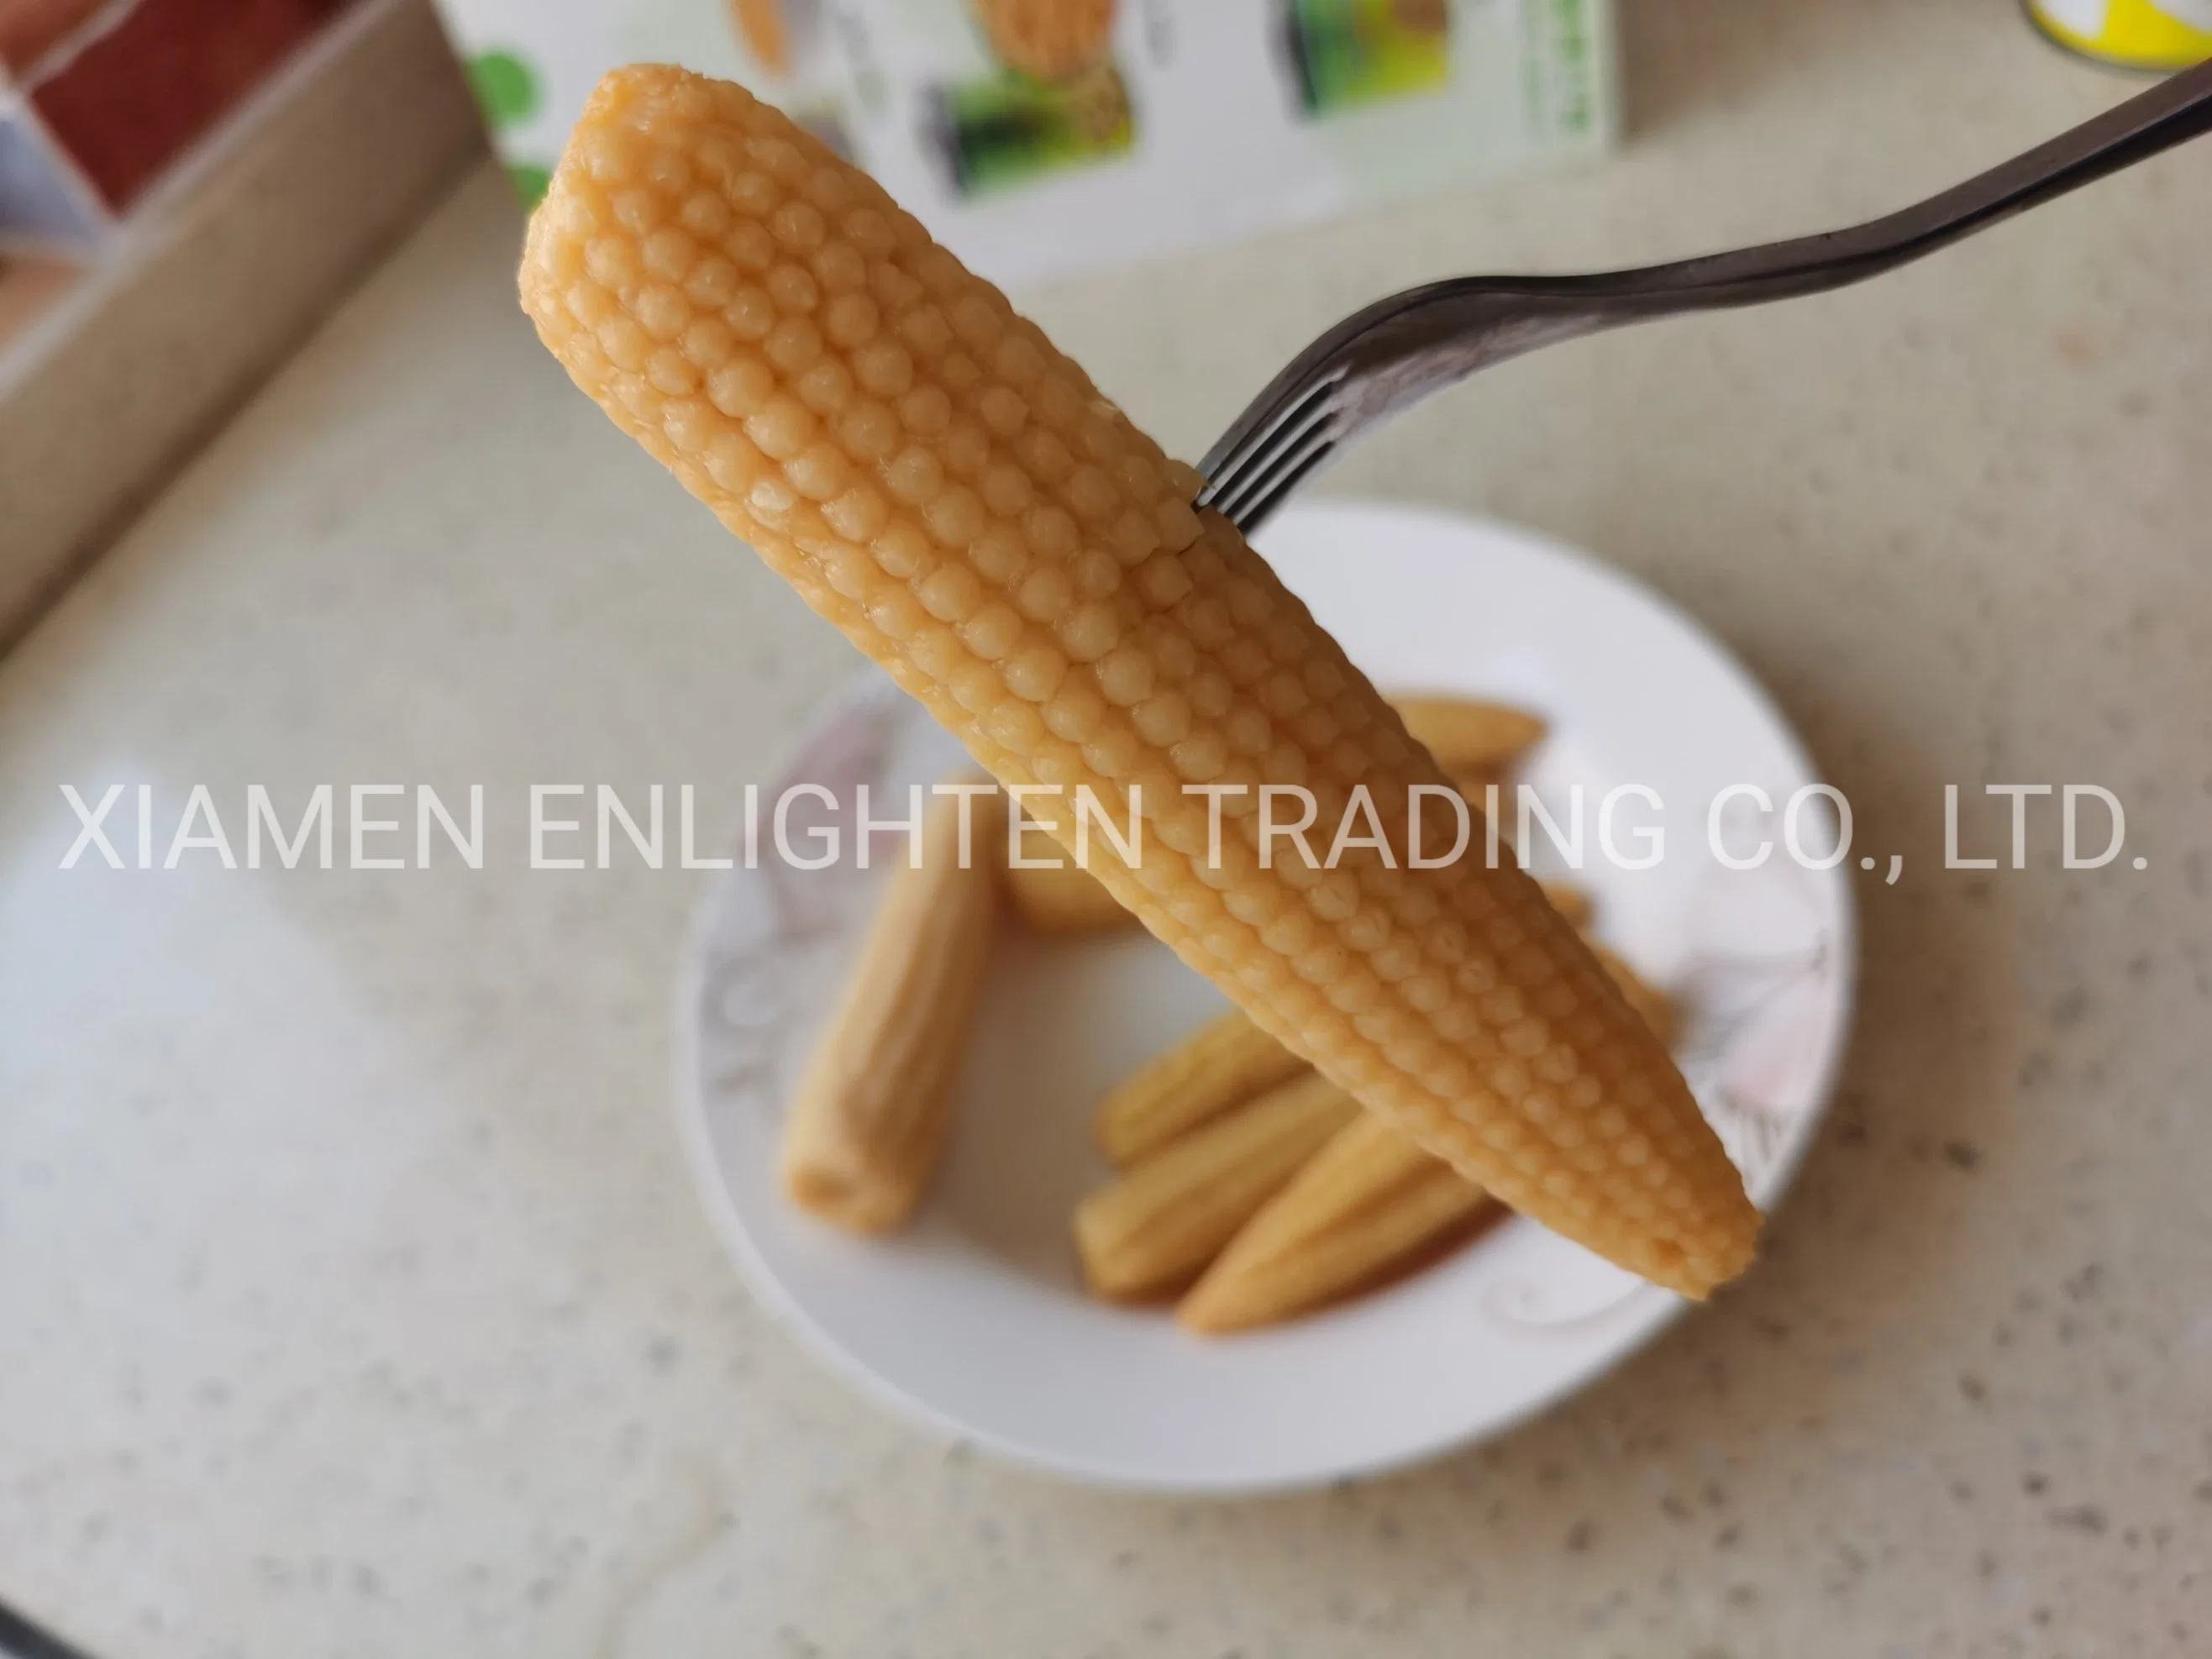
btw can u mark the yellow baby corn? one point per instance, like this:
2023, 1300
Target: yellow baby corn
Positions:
1474, 781
1155, 1229
862, 1135
1221, 1065
952, 492
1652, 1005
761, 27
1052, 40
1066, 900
1466, 735
1572, 902
1368, 1201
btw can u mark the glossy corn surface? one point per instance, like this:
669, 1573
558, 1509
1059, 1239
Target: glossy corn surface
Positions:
952, 492
1370, 1201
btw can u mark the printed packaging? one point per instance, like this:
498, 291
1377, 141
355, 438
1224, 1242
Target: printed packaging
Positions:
1036, 137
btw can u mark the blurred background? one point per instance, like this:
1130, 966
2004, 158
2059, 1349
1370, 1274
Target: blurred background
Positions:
352, 1298
203, 177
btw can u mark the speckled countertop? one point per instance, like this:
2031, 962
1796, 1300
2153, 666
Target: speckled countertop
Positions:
353, 1298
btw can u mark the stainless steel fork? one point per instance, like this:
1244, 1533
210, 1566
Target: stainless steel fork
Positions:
1395, 352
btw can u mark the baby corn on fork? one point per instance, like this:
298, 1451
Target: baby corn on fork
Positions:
940, 483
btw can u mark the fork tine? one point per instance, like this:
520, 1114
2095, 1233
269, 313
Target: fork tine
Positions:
1315, 414
1267, 493
1259, 434
1292, 447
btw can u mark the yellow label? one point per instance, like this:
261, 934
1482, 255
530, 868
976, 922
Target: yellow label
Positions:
2166, 34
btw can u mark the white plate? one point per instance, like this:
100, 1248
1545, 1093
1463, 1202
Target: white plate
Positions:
972, 1321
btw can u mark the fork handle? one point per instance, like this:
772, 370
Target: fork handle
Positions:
2176, 109
1393, 354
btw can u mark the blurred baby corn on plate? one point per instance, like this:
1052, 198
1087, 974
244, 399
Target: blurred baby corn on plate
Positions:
975, 1315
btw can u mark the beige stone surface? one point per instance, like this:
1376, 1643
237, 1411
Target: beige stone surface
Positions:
353, 1297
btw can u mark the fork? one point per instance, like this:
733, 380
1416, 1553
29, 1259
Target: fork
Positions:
1389, 356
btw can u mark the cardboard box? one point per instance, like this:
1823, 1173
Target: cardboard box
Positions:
1035, 138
